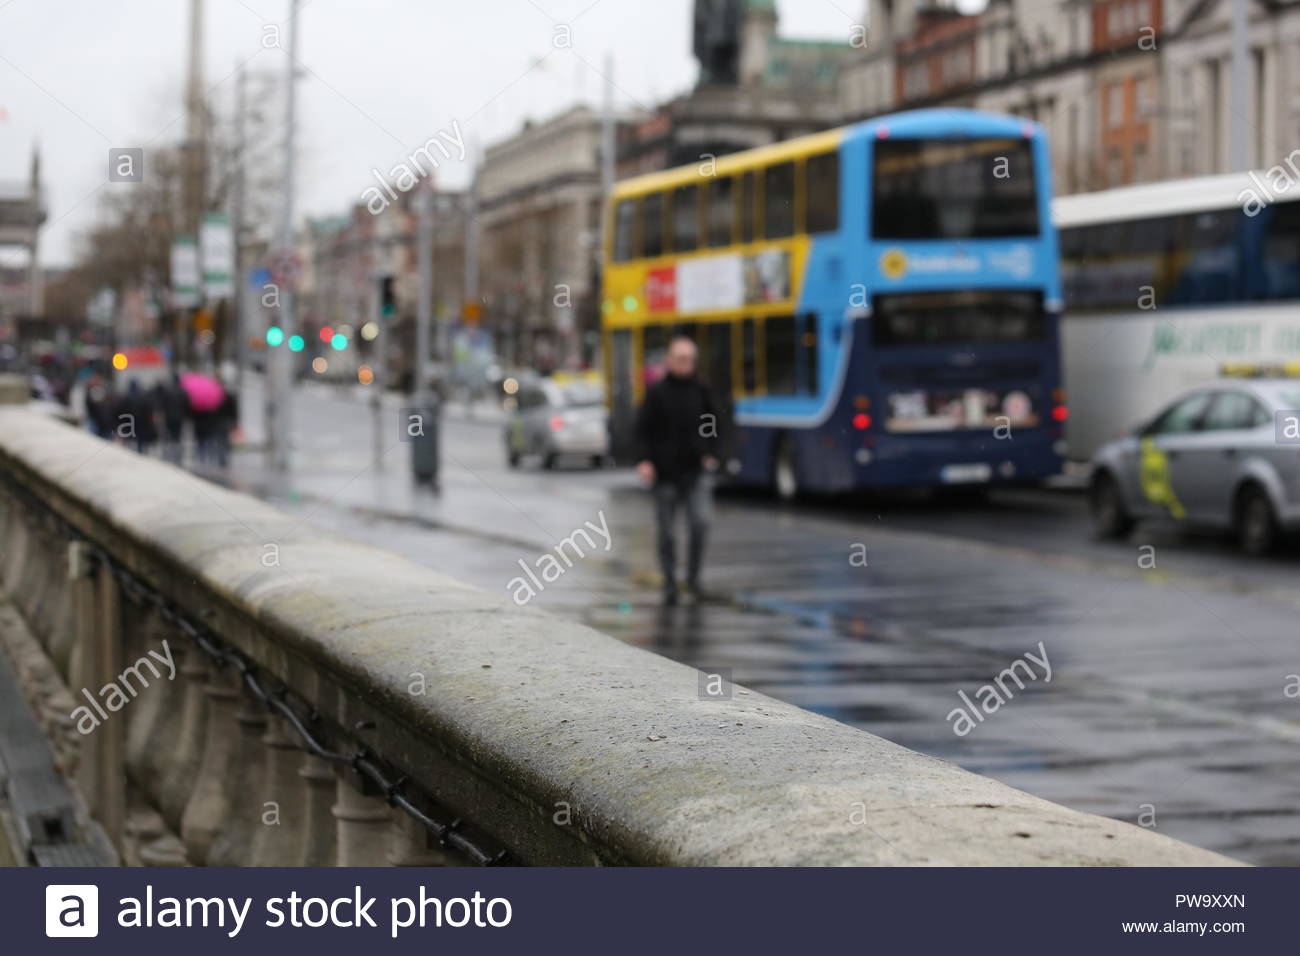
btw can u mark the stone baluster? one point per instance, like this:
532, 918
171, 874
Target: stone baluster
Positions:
278, 842
234, 843
181, 762
319, 836
209, 803
364, 824
101, 771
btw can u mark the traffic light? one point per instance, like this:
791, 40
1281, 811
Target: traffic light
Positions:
274, 336
387, 297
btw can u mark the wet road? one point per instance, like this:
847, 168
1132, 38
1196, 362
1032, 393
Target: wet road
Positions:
1168, 693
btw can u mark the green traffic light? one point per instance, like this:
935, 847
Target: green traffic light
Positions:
339, 342
296, 343
274, 336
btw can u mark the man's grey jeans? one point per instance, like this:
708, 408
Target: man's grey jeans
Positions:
697, 495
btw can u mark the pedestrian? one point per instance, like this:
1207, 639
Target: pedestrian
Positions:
173, 404
227, 421
677, 440
99, 408
137, 422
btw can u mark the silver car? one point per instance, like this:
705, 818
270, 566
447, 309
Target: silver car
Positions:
552, 420
1218, 457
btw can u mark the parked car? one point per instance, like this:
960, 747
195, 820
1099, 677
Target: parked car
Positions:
1217, 457
556, 418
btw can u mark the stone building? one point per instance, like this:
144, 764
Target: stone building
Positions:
755, 87
539, 196
1129, 90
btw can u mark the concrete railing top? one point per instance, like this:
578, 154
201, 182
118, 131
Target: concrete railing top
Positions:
564, 744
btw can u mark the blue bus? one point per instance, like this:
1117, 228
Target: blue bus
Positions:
880, 303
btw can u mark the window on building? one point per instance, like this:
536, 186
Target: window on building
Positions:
722, 208
749, 356
778, 201
824, 192
1140, 171
625, 231
652, 228
686, 218
780, 347
748, 203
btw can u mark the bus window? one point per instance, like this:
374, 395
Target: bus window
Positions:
824, 193
722, 208
778, 201
654, 350
716, 364
652, 225
780, 346
953, 189
686, 219
625, 231
809, 384
748, 202
749, 356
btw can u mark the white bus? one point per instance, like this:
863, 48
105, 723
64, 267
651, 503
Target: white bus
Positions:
1166, 283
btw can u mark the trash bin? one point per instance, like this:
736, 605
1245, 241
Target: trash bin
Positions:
424, 445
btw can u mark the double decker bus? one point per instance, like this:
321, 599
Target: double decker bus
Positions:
879, 303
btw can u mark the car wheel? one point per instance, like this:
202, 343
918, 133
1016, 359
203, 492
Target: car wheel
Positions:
785, 481
1109, 516
1257, 528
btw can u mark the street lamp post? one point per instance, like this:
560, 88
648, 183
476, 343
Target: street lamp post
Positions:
280, 361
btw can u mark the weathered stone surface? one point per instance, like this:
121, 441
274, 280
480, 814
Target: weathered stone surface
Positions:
564, 744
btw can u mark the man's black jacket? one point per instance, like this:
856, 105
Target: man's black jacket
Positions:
677, 426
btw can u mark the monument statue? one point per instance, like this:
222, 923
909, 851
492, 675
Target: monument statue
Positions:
717, 40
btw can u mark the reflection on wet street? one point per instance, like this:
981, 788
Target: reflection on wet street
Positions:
1167, 698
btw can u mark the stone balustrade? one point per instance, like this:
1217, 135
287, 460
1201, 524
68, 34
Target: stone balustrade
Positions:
446, 725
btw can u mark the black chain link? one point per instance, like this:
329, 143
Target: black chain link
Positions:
360, 762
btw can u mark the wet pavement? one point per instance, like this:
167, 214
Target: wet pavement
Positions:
1168, 691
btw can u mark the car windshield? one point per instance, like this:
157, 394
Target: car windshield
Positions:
1286, 396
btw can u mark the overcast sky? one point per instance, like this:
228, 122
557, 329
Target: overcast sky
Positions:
382, 77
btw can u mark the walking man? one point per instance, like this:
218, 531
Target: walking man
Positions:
677, 438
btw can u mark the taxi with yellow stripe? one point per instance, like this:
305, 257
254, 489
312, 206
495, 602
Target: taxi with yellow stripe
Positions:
1224, 456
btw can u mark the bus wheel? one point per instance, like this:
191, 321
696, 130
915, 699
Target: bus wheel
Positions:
784, 479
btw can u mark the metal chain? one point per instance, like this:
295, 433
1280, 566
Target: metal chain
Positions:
361, 761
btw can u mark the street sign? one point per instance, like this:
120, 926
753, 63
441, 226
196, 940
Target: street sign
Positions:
217, 248
185, 272
286, 267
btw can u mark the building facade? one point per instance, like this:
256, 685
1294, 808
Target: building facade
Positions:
539, 202
1130, 91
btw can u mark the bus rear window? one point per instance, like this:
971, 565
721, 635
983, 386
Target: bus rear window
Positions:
953, 189
968, 317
